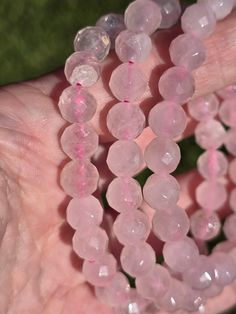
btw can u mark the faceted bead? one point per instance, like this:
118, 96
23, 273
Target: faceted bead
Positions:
137, 260
193, 301
221, 8
136, 304
79, 178
127, 82
85, 212
204, 108
230, 228
176, 84
77, 105
212, 164
224, 268
232, 200
170, 225
125, 121
79, 141
132, 46
228, 112
167, 119
230, 141
227, 92
124, 158
187, 51
82, 68
101, 271
174, 298
232, 170
112, 24
211, 195
198, 20
143, 16
180, 255
170, 11
161, 192
131, 227
205, 225
93, 39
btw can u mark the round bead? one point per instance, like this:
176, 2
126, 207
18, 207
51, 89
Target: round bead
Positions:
232, 200
232, 170
174, 298
230, 141
170, 11
176, 84
136, 304
125, 121
224, 268
212, 291
229, 228
143, 16
212, 164
204, 108
221, 8
227, 112
193, 301
93, 39
227, 92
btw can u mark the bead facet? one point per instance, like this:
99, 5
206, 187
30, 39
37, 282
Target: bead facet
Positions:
170, 11
204, 108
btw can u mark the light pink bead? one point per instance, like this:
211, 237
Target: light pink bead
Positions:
230, 228
224, 268
198, 20
227, 92
193, 301
137, 260
162, 155
143, 16
228, 112
204, 108
230, 141
232, 170
174, 298
176, 84
232, 200
161, 192
211, 195
124, 158
136, 304
212, 164
212, 291
79, 178
221, 8
170, 11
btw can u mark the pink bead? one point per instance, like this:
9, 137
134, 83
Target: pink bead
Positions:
125, 121
124, 194
193, 301
232, 200
221, 8
143, 16
85, 212
77, 105
212, 291
198, 20
162, 155
170, 225
127, 82
232, 170
136, 304
101, 271
167, 119
170, 11
228, 112
138, 260
187, 51
224, 268
79, 178
230, 141
204, 108
161, 192
227, 92
124, 158
176, 84
131, 227
174, 298
211, 195
212, 164
230, 228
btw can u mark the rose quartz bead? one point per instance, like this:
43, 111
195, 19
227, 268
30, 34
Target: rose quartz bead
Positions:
79, 141
227, 92
204, 108
137, 260
228, 112
93, 39
167, 119
180, 255
224, 246
77, 105
212, 164
124, 158
79, 178
230, 141
230, 228
143, 16
212, 291
211, 195
193, 301
174, 298
176, 84
224, 268
131, 227
210, 134
127, 82
101, 271
232, 200
170, 225
85, 212
198, 20
132, 46
221, 8
124, 193
187, 51
161, 192
205, 225
232, 170
162, 155
125, 121
170, 11
136, 304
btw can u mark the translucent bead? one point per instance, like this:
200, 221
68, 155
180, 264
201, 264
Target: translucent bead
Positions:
212, 291
138, 260
232, 170
77, 105
162, 155
221, 8
170, 225
228, 112
168, 119
85, 212
131, 227
79, 141
161, 192
136, 304
124, 158
125, 121
143, 16
82, 68
229, 228
170, 11
230, 141
193, 301
204, 108
93, 39
79, 178
176, 84
227, 92
127, 82
224, 268
212, 164
174, 298
198, 20
232, 200
101, 271
205, 225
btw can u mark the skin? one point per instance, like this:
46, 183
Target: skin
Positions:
38, 271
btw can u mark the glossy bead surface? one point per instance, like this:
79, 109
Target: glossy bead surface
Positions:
170, 11
230, 228
204, 108
230, 141
224, 268
228, 112
212, 164
221, 8
174, 298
